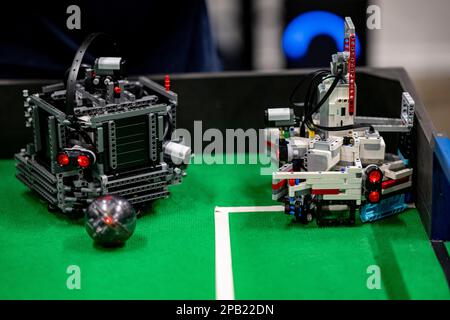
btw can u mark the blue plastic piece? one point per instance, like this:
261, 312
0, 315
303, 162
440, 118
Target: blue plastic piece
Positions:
302, 30
440, 217
405, 161
386, 207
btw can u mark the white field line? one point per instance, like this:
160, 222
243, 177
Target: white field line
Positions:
224, 269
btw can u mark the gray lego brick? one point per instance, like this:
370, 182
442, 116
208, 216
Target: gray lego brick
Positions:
36, 167
135, 179
47, 107
149, 197
158, 88
128, 114
142, 188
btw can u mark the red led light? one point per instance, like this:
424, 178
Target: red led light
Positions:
63, 159
117, 90
167, 83
374, 176
374, 196
108, 220
83, 161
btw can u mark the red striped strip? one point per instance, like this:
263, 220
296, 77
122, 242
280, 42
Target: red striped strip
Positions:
325, 191
279, 185
390, 183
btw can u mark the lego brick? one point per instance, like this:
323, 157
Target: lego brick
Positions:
158, 88
47, 107
397, 188
306, 175
342, 196
127, 114
152, 136
112, 144
398, 174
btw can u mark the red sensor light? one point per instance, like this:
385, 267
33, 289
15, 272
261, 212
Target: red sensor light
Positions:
374, 196
117, 90
108, 220
63, 159
83, 161
374, 176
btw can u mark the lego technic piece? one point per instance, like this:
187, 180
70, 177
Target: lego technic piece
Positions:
386, 207
101, 134
332, 162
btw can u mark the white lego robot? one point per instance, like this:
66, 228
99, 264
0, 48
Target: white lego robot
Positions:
331, 162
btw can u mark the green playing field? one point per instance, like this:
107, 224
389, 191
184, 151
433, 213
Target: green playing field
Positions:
172, 253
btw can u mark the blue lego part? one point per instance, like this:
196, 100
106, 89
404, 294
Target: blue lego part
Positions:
386, 207
405, 161
440, 215
291, 213
297, 181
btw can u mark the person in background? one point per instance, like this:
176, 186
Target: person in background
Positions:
154, 36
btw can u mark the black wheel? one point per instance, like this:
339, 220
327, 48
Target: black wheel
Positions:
351, 213
308, 209
308, 217
287, 206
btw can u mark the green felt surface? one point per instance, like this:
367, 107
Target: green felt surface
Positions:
274, 258
171, 254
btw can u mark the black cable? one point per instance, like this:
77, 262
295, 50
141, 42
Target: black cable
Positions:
347, 127
310, 107
309, 100
316, 79
299, 84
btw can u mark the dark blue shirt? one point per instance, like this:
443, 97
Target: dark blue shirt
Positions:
154, 36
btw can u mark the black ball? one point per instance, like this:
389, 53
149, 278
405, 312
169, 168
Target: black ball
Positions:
110, 220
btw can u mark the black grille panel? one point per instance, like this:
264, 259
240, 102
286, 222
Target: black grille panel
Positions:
132, 142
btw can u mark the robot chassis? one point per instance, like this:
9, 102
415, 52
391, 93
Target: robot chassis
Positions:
330, 161
99, 135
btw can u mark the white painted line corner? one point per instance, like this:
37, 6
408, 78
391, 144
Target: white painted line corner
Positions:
224, 267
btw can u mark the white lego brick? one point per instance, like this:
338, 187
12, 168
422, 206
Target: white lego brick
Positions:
353, 191
279, 114
306, 174
327, 154
371, 153
398, 174
349, 153
395, 165
354, 181
341, 197
326, 180
300, 187
341, 186
354, 169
